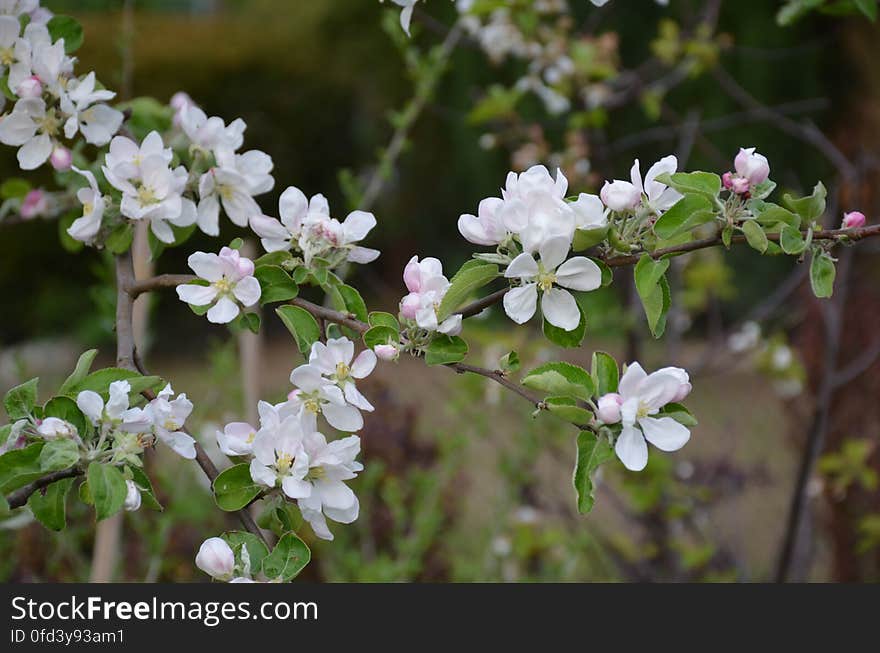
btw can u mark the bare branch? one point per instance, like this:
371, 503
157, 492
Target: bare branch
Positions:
20, 496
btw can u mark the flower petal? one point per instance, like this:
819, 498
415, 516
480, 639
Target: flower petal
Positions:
223, 311
248, 291
207, 266
364, 364
665, 433
579, 273
631, 449
560, 309
343, 418
553, 251
523, 266
520, 303
196, 295
631, 380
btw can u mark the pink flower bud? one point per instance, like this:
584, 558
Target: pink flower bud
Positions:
752, 166
609, 408
620, 195
740, 185
853, 220
409, 306
412, 275
61, 158
31, 87
386, 352
216, 559
34, 204
727, 180
293, 394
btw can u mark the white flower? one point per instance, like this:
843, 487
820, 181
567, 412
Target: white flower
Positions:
54, 428
34, 128
86, 227
36, 56
116, 412
329, 465
124, 159
234, 182
487, 227
231, 283
655, 196
168, 417
98, 122
215, 558
406, 12
237, 439
294, 208
589, 212
132, 497
326, 385
642, 396
210, 134
608, 408
277, 458
427, 285
752, 166
326, 237
551, 276
535, 208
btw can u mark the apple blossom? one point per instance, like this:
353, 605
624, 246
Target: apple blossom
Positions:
551, 275
329, 465
215, 558
535, 208
853, 220
116, 412
82, 103
168, 417
336, 361
609, 408
230, 283
294, 208
278, 458
123, 161
624, 196
36, 55
387, 352
684, 382
427, 285
30, 88
620, 196
589, 212
54, 428
233, 182
487, 227
642, 396
237, 439
210, 134
132, 497
179, 102
34, 204
86, 227
406, 12
751, 166
34, 128
61, 159
327, 238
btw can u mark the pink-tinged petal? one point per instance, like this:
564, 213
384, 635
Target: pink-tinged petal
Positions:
364, 364
631, 449
523, 266
412, 275
343, 418
223, 312
560, 309
631, 380
356, 226
665, 433
520, 303
335, 494
362, 255
247, 291
196, 295
207, 266
293, 206
296, 488
579, 273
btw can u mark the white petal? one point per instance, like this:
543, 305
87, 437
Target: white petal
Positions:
579, 273
523, 266
296, 488
35, 152
196, 295
209, 215
362, 255
363, 365
336, 494
560, 309
180, 442
553, 251
262, 474
293, 207
248, 291
355, 398
632, 449
343, 418
91, 404
207, 266
665, 433
631, 380
356, 226
520, 303
223, 311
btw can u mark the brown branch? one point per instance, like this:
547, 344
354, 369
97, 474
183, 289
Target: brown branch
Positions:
323, 313
499, 377
136, 288
20, 497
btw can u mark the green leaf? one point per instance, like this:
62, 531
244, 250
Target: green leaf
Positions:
301, 324
83, 365
379, 318
236, 243
587, 238
679, 413
770, 215
605, 373
354, 303
19, 402
763, 189
867, 7
592, 452
607, 274
567, 409
119, 240
288, 558
107, 488
256, 548
99, 381
707, 184
280, 259
563, 338
148, 497
276, 284
48, 504
727, 236
755, 236
65, 408
234, 488
381, 335
14, 188
811, 207
559, 378
472, 276
791, 240
67, 28
444, 349
249, 321
509, 362
822, 273
19, 467
59, 454
5, 510
654, 292
690, 211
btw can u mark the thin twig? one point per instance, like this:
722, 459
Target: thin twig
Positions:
20, 497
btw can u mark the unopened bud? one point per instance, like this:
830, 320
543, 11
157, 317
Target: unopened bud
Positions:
609, 408
31, 87
386, 352
853, 220
133, 497
61, 158
216, 559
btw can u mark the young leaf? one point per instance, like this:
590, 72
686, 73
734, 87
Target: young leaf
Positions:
587, 238
690, 211
444, 349
560, 379
567, 409
67, 28
509, 362
379, 318
301, 324
605, 373
119, 240
288, 558
653, 289
19, 402
276, 284
59, 454
771, 215
592, 452
48, 504
83, 365
107, 488
256, 548
140, 478
707, 184
19, 467
354, 303
791, 241
755, 236
234, 488
381, 335
568, 339
465, 282
822, 273
810, 207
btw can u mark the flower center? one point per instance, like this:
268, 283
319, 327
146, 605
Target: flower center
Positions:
342, 371
284, 462
225, 192
643, 411
316, 473
312, 404
146, 195
170, 425
49, 124
7, 56
223, 285
88, 208
250, 438
546, 280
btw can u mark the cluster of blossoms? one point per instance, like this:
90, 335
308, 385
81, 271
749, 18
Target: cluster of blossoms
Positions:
427, 286
288, 451
51, 103
751, 170
230, 284
305, 226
